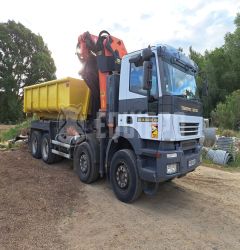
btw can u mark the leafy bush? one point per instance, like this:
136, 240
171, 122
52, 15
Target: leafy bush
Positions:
227, 114
227, 132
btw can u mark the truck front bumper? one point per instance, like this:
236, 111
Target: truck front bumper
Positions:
154, 169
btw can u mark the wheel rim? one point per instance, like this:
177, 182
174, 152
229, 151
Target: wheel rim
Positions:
34, 145
122, 176
45, 149
83, 163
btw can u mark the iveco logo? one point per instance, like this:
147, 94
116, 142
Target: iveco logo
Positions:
188, 109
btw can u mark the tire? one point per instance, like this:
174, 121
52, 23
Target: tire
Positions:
124, 177
35, 144
46, 150
83, 164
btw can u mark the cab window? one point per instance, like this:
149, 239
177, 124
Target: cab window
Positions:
136, 79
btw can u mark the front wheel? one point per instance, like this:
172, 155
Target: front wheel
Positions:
124, 177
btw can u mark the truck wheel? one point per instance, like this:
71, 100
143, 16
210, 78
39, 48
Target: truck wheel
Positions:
124, 177
46, 149
35, 144
83, 164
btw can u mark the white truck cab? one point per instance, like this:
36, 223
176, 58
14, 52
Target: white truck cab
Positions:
161, 117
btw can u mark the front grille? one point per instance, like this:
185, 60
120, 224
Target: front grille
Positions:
188, 128
189, 147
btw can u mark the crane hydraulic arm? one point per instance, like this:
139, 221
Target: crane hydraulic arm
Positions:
100, 56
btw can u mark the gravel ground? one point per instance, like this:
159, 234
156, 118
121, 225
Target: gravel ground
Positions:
47, 207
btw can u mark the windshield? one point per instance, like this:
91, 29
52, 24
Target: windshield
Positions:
179, 83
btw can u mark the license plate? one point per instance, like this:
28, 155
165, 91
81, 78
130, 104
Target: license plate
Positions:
192, 162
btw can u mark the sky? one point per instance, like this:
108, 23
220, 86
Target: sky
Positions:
198, 23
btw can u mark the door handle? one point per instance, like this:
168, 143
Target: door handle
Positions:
129, 120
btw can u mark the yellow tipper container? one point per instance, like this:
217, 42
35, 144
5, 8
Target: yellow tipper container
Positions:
50, 99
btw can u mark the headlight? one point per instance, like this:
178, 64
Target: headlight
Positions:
172, 168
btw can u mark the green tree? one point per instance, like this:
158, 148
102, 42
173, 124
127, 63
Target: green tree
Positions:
201, 77
221, 67
227, 114
24, 60
232, 49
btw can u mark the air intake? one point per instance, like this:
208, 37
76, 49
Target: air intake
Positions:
188, 128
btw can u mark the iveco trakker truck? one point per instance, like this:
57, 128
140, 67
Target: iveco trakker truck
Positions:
133, 117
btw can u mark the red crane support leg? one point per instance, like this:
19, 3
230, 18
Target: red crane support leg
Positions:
103, 88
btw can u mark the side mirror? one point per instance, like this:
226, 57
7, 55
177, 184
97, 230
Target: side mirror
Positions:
205, 87
136, 59
147, 54
147, 75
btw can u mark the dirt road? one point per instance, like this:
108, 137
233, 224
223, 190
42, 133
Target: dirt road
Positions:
47, 207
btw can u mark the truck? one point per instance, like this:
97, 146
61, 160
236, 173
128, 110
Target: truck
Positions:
134, 118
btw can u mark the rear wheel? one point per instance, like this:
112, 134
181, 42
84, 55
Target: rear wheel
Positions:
84, 166
124, 177
46, 150
35, 144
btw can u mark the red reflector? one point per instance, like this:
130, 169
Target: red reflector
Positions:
158, 155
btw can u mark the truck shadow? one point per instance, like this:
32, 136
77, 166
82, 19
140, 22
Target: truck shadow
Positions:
169, 196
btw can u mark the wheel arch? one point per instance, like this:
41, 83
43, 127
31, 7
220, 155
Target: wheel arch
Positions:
93, 147
122, 140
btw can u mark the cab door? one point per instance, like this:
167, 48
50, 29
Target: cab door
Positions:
138, 109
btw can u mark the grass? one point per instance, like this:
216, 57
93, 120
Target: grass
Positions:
236, 163
4, 127
14, 131
232, 167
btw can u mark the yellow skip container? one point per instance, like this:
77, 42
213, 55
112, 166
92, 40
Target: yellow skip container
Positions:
65, 97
